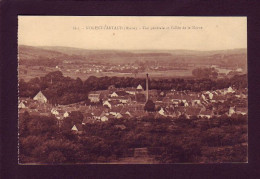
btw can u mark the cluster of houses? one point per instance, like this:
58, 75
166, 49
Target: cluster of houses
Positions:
127, 103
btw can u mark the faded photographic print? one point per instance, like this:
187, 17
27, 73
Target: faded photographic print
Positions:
132, 90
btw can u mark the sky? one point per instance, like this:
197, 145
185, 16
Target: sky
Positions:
134, 32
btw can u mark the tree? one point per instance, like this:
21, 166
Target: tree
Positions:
149, 106
205, 73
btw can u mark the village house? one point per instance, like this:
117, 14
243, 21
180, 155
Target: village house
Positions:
94, 97
40, 97
66, 114
21, 105
104, 118
106, 103
114, 94
161, 112
77, 128
131, 91
231, 111
140, 88
229, 90
55, 111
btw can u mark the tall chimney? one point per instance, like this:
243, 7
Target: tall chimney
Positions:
147, 88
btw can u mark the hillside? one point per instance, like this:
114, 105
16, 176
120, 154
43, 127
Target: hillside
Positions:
237, 57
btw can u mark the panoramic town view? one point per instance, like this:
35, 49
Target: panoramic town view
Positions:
82, 105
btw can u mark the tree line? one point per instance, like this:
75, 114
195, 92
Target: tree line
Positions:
65, 90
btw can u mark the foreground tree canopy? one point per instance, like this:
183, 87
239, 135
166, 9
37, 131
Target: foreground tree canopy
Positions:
149, 106
221, 139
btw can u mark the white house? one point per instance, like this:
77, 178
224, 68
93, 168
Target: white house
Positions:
161, 112
210, 95
118, 116
40, 97
77, 128
229, 90
21, 105
74, 128
231, 111
94, 97
139, 87
54, 111
106, 103
203, 97
104, 118
66, 114
114, 94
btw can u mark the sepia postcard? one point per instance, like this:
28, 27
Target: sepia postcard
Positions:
132, 90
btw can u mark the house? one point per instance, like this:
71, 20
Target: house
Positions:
94, 97
104, 118
139, 88
40, 97
106, 103
55, 111
211, 95
119, 116
114, 94
128, 113
229, 90
203, 97
231, 111
21, 105
131, 91
161, 112
124, 100
115, 102
77, 128
66, 114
